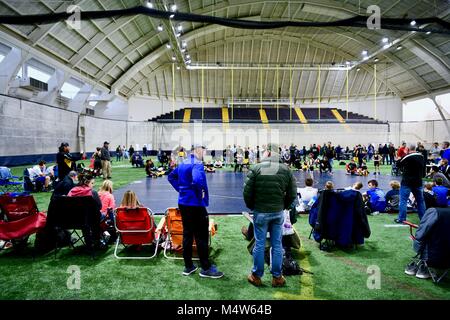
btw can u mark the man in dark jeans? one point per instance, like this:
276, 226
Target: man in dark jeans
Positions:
189, 179
411, 167
392, 152
105, 156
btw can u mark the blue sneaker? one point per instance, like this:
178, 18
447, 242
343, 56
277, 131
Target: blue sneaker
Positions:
212, 272
189, 271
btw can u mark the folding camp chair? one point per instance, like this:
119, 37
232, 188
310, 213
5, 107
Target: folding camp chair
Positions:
8, 182
135, 226
437, 243
19, 218
75, 213
171, 226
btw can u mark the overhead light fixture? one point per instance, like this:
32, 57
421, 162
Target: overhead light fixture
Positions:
428, 33
178, 68
365, 53
386, 46
359, 69
183, 44
180, 27
366, 58
385, 40
160, 28
149, 4
173, 7
183, 50
347, 62
168, 46
376, 60
188, 61
174, 58
399, 48
172, 16
413, 23
178, 34
188, 57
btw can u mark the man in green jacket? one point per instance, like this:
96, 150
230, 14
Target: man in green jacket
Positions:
269, 189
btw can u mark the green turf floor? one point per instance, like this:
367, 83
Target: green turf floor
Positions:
337, 274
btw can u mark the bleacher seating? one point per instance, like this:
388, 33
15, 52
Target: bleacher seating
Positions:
252, 115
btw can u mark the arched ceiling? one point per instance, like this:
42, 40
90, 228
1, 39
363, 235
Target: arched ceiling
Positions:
129, 56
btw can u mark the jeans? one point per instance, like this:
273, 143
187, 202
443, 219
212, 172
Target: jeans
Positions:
404, 196
195, 225
272, 223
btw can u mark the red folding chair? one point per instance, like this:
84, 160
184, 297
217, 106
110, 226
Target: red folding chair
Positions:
19, 219
135, 226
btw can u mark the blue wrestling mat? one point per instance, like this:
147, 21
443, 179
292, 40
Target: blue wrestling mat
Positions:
225, 189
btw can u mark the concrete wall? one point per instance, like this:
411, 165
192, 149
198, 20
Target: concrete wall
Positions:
28, 128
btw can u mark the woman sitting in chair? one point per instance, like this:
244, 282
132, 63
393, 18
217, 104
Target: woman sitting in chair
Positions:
130, 200
85, 188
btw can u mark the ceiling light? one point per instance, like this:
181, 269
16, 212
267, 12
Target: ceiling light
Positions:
428, 32
178, 34
188, 61
180, 27
173, 7
399, 48
386, 46
171, 16
188, 57
168, 46
376, 60
359, 69
183, 50
160, 28
347, 62
366, 58
183, 44
178, 68
413, 23
385, 40
365, 52
174, 58
149, 4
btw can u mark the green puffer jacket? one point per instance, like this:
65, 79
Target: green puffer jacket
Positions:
270, 186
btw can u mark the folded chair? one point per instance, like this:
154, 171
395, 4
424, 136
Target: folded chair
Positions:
19, 218
75, 213
171, 227
135, 226
8, 182
433, 242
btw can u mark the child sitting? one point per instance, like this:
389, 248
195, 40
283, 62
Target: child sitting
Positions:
329, 185
375, 199
307, 195
150, 169
218, 164
209, 167
441, 193
393, 197
429, 196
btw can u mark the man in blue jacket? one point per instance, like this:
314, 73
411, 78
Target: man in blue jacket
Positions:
189, 179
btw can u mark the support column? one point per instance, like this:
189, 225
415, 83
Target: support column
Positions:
10, 66
78, 102
441, 111
55, 84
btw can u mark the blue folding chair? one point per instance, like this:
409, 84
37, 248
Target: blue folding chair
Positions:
8, 182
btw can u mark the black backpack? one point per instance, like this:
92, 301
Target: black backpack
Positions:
290, 267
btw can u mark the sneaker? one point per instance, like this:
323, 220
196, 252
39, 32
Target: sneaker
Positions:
278, 281
254, 280
375, 213
189, 271
212, 272
423, 272
398, 221
411, 268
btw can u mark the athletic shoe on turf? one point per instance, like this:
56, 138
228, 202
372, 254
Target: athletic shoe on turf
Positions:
423, 272
375, 213
411, 268
189, 271
212, 273
398, 221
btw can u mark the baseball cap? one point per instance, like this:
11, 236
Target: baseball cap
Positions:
106, 142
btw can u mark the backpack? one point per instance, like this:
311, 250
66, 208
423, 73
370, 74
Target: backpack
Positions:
290, 267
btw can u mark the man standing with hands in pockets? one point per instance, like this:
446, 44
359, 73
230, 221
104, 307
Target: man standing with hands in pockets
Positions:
189, 179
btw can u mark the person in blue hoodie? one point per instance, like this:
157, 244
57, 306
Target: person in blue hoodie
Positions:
189, 180
376, 197
441, 193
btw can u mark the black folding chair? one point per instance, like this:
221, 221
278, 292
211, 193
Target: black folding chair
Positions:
75, 214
